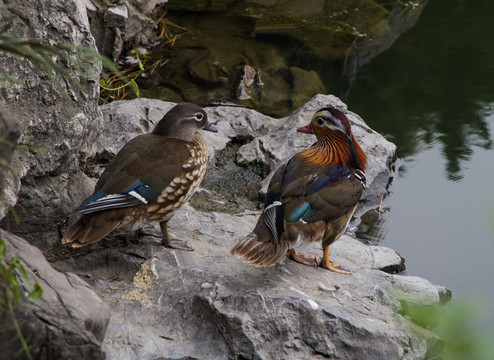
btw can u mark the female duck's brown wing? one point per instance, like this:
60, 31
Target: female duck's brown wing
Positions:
138, 173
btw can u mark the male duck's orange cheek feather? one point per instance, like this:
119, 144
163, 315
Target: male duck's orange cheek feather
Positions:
337, 155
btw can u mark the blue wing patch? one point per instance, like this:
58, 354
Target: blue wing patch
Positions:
137, 194
299, 212
305, 212
334, 175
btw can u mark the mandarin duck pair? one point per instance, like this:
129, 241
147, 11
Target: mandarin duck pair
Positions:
311, 198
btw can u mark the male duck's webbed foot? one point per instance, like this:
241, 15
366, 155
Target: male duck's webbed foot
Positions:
177, 244
331, 266
305, 259
311, 260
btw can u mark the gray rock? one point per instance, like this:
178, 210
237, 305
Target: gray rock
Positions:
10, 130
124, 120
90, 6
59, 122
116, 16
69, 321
126, 26
181, 305
147, 6
248, 83
206, 305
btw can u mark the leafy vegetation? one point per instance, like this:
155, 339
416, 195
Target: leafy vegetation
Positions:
459, 329
115, 83
10, 271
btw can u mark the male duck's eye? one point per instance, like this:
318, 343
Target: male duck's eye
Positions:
199, 116
320, 121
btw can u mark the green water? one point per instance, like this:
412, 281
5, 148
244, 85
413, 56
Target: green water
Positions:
432, 94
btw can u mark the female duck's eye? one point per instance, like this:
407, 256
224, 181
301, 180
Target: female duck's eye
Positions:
320, 121
199, 116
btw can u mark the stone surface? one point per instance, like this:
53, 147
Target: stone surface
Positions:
10, 130
69, 321
116, 16
126, 26
206, 305
148, 6
58, 121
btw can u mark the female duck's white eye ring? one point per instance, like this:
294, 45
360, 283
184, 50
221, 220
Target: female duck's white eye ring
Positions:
199, 116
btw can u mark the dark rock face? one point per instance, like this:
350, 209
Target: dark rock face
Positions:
9, 128
122, 25
68, 322
59, 122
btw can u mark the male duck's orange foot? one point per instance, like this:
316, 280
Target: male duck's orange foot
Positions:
308, 260
331, 266
177, 244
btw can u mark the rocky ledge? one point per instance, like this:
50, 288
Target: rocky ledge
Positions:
141, 301
204, 304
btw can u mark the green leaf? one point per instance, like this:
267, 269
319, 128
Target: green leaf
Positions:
36, 293
23, 271
102, 82
3, 249
141, 66
15, 292
14, 262
135, 86
20, 351
14, 215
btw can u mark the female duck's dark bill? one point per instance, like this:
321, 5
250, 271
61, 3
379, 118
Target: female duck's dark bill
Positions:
209, 127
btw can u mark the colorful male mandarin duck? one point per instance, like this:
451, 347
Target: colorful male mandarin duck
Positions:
311, 198
150, 178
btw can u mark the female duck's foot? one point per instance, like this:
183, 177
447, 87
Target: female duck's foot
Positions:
176, 244
149, 230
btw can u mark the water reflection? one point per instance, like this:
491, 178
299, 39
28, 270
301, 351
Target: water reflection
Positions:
432, 94
272, 58
433, 84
